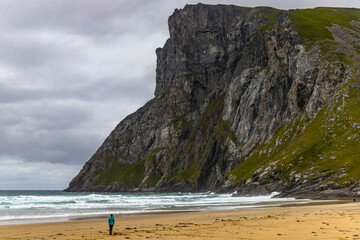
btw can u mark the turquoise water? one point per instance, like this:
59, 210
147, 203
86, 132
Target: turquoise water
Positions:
40, 206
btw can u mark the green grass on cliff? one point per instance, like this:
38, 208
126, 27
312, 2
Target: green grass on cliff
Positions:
327, 143
330, 141
210, 128
154, 177
269, 14
312, 24
189, 174
129, 174
264, 153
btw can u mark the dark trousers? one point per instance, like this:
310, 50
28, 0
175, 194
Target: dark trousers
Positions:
110, 228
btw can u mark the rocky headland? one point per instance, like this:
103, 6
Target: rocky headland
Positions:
252, 100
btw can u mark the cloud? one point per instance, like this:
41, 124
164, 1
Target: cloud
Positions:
86, 17
69, 72
16, 174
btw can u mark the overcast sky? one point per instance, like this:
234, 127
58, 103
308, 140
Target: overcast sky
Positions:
70, 71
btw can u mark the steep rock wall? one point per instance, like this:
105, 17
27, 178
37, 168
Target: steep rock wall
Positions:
227, 81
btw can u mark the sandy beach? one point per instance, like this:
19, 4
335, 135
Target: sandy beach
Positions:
328, 221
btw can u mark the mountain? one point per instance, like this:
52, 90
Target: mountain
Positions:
248, 99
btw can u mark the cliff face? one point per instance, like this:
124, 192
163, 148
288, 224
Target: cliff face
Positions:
247, 99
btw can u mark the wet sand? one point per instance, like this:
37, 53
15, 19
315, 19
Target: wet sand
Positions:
329, 221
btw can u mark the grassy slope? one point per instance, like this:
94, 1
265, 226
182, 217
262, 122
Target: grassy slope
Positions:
312, 24
331, 140
128, 174
270, 15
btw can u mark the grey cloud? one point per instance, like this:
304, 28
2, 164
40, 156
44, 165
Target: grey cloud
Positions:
85, 17
25, 52
67, 131
103, 90
56, 146
20, 175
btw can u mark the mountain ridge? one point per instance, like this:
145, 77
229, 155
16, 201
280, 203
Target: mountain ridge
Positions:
236, 89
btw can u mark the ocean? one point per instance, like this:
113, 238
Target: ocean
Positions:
18, 207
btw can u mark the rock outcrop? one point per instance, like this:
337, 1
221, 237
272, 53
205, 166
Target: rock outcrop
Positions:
245, 100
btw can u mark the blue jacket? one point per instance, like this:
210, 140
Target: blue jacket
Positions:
111, 220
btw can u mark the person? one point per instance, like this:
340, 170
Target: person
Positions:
111, 223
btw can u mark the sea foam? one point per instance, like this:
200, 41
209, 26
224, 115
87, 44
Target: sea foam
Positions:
57, 204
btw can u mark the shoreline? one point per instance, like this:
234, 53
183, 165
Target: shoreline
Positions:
95, 216
321, 221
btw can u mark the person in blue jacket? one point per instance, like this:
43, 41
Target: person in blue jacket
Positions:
111, 223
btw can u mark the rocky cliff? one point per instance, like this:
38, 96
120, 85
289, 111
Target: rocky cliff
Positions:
248, 99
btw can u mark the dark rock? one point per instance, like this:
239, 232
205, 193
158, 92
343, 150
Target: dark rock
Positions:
224, 85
